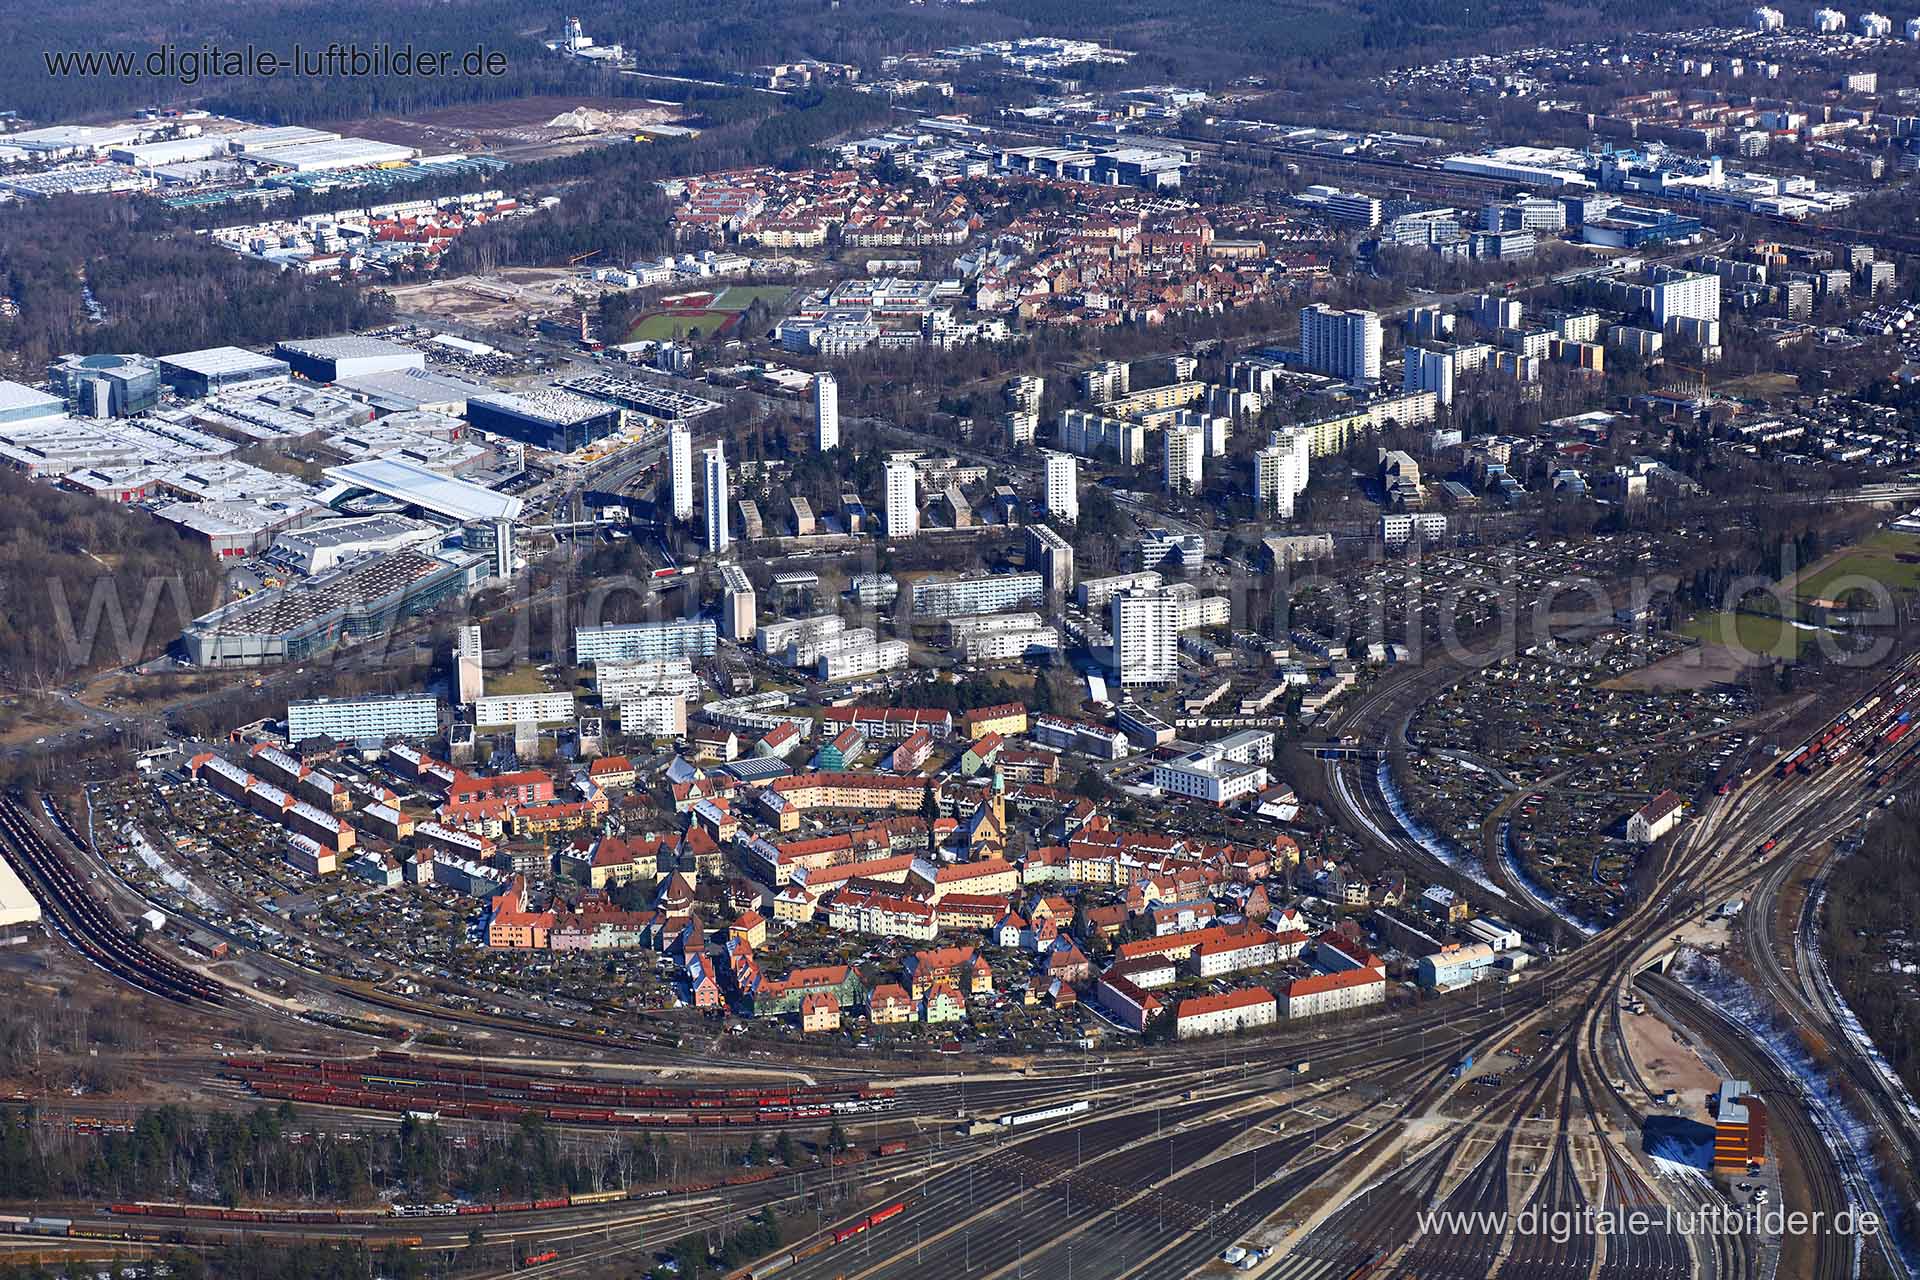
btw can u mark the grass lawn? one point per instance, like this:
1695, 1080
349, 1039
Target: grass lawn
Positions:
738, 297
1751, 632
522, 679
674, 326
1877, 559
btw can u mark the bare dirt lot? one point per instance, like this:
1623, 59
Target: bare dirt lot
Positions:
519, 130
496, 299
1699, 667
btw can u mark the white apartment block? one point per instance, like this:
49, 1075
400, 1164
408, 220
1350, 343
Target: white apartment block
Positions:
1216, 429
1399, 529
1094, 435
777, 639
657, 715
862, 659
637, 641
1281, 470
615, 682
983, 593
1052, 555
1193, 610
1345, 206
522, 708
1236, 955
1183, 457
1007, 646
1094, 593
962, 626
1146, 638
1209, 776
469, 675
713, 468
1424, 370
739, 604
354, 719
1492, 312
1108, 380
680, 470
903, 499
1689, 295
1063, 486
826, 412
1024, 393
1344, 344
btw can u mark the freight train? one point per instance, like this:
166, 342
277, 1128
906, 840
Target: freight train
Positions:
396, 1083
833, 1239
450, 1209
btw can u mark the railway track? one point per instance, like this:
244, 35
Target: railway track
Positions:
90, 928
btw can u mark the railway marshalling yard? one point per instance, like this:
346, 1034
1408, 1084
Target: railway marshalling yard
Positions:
1323, 1145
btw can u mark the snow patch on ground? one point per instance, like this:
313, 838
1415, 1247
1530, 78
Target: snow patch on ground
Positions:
174, 878
1539, 892
1845, 1134
1442, 849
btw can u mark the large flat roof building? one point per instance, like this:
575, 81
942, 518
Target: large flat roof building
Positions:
360, 600
20, 403
201, 373
17, 904
486, 515
559, 421
651, 641
333, 153
418, 486
403, 715
408, 389
329, 359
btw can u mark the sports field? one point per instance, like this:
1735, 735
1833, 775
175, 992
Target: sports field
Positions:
1746, 633
1888, 558
705, 314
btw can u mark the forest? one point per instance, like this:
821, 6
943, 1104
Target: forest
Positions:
85, 584
618, 209
257, 1260
262, 1157
1873, 900
1207, 44
156, 291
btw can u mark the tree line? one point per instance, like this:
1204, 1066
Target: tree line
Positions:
155, 292
85, 584
264, 1157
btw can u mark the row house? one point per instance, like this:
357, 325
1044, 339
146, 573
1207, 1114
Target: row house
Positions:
987, 877
969, 910
1222, 1014
599, 927
958, 964
779, 996
510, 926
1130, 1004
884, 915
1339, 992
1246, 951
886, 724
